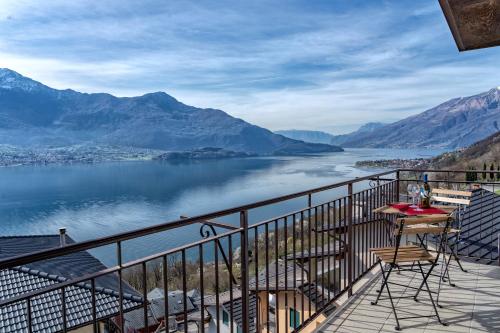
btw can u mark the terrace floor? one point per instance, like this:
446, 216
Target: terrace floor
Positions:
472, 306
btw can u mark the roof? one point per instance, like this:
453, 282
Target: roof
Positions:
236, 306
474, 24
336, 249
224, 300
480, 226
223, 297
70, 266
281, 277
156, 308
47, 308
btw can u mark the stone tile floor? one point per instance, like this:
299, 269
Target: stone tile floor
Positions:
473, 305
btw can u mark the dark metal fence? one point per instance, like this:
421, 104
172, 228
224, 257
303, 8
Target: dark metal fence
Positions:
278, 275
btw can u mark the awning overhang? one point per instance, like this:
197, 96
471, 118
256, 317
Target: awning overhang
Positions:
474, 24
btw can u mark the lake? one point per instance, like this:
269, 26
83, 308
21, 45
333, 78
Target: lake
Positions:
95, 200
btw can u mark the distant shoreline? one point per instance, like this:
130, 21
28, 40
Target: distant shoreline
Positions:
12, 156
395, 163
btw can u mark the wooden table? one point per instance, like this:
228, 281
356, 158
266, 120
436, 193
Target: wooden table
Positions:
394, 211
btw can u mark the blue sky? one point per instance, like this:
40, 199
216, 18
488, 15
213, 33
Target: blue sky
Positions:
324, 65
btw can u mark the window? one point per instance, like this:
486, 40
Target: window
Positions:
238, 330
225, 317
294, 318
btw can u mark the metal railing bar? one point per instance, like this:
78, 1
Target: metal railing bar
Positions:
94, 308
214, 223
165, 290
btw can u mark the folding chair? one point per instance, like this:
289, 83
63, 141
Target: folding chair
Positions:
402, 257
462, 200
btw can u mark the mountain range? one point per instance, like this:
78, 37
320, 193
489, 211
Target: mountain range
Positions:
307, 136
33, 114
456, 123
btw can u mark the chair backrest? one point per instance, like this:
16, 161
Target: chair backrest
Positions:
451, 196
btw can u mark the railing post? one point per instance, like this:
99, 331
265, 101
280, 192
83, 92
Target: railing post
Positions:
244, 271
397, 185
498, 248
309, 200
350, 254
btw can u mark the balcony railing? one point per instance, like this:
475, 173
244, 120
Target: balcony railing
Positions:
278, 275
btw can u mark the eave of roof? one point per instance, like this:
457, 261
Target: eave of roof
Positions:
474, 24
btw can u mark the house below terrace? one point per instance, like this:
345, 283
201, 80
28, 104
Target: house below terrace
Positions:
46, 309
156, 322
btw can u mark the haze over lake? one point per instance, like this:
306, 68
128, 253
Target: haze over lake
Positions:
95, 200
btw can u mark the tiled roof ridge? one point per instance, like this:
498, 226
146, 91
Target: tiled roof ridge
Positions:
32, 236
84, 285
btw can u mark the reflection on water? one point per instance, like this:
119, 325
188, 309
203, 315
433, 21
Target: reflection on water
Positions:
102, 199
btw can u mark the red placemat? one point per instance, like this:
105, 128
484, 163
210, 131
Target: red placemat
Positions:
405, 208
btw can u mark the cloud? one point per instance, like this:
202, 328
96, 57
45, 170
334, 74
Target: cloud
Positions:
328, 65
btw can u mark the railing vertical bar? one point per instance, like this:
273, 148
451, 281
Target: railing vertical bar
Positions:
350, 236
95, 323
244, 272
334, 220
257, 280
145, 294
120, 285
285, 238
328, 220
357, 237
165, 290
266, 231
343, 205
398, 187
316, 247
184, 290
365, 233
323, 249
302, 245
294, 249
310, 259
498, 248
216, 273
28, 310
64, 316
276, 275
231, 311
202, 289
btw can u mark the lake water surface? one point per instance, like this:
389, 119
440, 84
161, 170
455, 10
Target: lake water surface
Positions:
102, 199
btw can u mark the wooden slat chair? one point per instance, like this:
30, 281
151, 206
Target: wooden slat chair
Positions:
461, 199
403, 257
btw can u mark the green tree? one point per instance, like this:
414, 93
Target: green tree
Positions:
492, 171
484, 170
498, 171
469, 176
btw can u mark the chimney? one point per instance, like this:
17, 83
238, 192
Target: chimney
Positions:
62, 236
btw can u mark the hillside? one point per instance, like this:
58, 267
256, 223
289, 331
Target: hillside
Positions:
307, 136
484, 151
456, 123
366, 129
473, 157
35, 115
